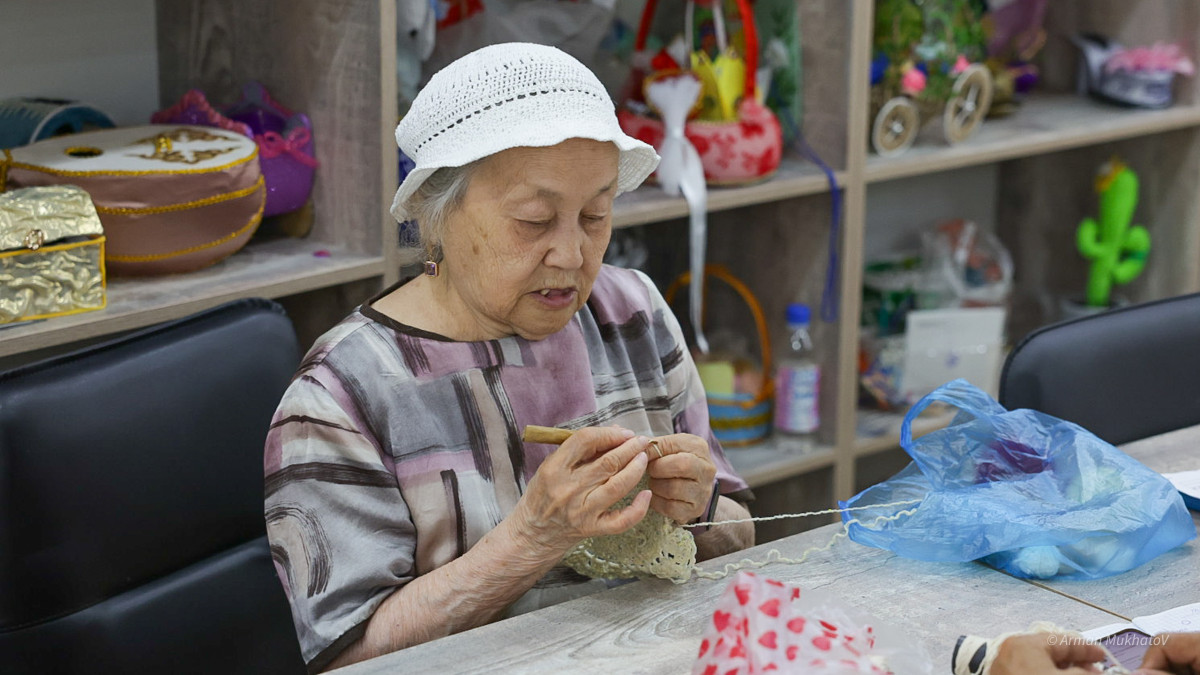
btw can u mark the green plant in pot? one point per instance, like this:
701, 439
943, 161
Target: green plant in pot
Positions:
1116, 247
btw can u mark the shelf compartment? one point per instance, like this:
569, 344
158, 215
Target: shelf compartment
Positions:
879, 430
269, 269
795, 178
1045, 123
778, 458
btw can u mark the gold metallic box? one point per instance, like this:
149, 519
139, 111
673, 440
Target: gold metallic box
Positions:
51, 253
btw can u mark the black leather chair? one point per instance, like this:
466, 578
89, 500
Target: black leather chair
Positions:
1126, 374
132, 537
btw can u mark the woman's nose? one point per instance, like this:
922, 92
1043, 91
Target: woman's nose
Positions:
566, 247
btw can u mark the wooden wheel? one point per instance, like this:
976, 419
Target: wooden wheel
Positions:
969, 102
895, 127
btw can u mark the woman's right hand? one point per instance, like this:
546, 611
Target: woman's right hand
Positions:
569, 497
1172, 653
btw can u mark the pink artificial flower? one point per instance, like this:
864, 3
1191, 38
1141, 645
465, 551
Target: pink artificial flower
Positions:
912, 82
960, 65
1160, 57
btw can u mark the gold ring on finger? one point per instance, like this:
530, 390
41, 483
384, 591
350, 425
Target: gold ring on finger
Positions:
657, 449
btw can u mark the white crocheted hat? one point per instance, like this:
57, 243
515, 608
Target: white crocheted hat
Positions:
506, 96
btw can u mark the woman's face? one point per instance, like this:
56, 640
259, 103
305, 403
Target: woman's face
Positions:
522, 251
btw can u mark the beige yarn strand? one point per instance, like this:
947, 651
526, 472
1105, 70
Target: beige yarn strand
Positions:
658, 547
826, 512
775, 556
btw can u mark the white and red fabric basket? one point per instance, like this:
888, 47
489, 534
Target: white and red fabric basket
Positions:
744, 150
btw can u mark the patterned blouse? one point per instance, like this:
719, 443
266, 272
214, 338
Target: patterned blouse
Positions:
395, 450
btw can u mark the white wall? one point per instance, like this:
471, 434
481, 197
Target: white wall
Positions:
101, 52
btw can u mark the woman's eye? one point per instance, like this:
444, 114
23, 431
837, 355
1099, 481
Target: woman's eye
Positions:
535, 223
594, 218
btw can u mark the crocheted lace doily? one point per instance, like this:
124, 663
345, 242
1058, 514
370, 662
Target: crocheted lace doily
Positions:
655, 547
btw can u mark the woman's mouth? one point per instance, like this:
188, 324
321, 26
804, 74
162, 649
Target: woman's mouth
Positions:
555, 298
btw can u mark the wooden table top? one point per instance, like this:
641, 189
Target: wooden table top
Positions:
655, 626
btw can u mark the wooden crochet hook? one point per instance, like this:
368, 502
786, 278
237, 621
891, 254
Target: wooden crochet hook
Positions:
552, 435
555, 436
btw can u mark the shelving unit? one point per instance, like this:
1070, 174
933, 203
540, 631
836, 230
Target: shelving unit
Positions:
774, 236
884, 429
335, 60
1045, 123
794, 178
779, 459
270, 269
327, 58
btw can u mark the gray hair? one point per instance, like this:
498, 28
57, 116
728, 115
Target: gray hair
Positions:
437, 198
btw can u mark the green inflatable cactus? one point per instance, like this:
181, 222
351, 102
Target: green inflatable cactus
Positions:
1117, 249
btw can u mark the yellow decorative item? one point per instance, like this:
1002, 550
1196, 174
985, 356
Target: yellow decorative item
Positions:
51, 253
717, 376
724, 80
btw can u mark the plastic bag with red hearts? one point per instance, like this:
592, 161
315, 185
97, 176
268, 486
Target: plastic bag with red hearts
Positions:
762, 625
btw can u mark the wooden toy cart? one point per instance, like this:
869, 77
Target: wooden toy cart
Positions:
926, 67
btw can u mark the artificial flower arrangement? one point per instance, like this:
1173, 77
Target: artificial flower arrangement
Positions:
927, 62
1015, 36
1139, 77
737, 137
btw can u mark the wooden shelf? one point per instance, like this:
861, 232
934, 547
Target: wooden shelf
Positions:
268, 269
795, 178
878, 430
778, 458
1045, 123
336, 60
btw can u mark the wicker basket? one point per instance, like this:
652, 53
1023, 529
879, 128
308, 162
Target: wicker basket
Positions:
738, 419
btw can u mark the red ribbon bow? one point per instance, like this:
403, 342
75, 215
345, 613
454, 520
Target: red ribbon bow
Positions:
271, 145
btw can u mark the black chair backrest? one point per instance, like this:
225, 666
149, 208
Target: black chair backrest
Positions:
132, 536
1125, 374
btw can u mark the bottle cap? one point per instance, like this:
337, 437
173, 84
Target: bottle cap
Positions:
798, 312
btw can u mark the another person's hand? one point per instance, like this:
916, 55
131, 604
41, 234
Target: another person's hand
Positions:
682, 478
1174, 653
1045, 654
568, 499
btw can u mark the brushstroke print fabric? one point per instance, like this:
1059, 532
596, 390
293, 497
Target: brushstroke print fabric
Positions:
395, 450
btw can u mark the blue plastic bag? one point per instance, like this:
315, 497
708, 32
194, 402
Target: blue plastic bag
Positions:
1029, 494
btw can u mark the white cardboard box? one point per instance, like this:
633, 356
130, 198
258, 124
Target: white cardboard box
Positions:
945, 344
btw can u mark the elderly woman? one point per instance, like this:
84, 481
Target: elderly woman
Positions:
401, 503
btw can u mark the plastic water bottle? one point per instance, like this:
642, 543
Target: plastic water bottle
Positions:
798, 379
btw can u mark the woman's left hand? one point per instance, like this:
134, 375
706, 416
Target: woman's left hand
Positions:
681, 480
